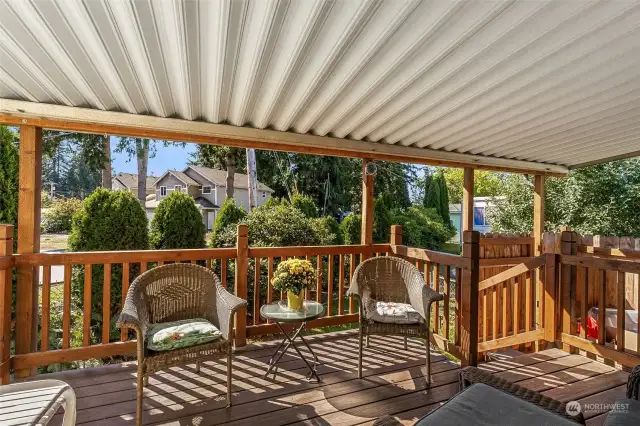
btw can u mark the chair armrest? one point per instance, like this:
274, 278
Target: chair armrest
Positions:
135, 313
421, 296
471, 375
226, 305
633, 384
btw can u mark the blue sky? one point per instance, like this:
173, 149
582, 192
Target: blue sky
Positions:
166, 158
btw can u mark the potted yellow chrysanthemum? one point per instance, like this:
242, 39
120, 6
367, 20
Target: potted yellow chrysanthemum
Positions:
293, 276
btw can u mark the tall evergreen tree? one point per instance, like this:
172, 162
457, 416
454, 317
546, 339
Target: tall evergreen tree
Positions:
8, 176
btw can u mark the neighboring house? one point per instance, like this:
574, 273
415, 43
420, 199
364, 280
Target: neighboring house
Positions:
480, 223
129, 182
208, 188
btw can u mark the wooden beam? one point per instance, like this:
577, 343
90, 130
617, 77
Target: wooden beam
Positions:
625, 358
467, 200
366, 234
242, 268
568, 282
538, 213
86, 120
505, 342
6, 249
469, 299
30, 176
531, 263
548, 282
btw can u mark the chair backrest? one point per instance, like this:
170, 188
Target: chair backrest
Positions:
386, 278
180, 291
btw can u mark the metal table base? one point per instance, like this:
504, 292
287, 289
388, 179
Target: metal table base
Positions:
284, 346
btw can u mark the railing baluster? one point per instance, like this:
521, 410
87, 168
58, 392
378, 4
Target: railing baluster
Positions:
330, 287
427, 272
66, 308
436, 305
223, 271
341, 286
602, 294
269, 277
494, 312
208, 263
528, 305
583, 279
319, 279
515, 312
307, 293
485, 315
504, 307
447, 294
125, 289
86, 317
256, 292
46, 307
143, 267
106, 304
457, 309
352, 267
621, 312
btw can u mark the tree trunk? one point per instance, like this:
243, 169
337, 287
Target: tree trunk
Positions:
252, 176
106, 171
142, 150
231, 174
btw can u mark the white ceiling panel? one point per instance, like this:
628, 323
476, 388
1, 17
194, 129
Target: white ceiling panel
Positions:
551, 82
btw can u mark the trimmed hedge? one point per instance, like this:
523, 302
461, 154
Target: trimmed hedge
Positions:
57, 219
108, 221
177, 223
230, 214
351, 228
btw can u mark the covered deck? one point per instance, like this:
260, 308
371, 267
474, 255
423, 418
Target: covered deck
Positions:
393, 384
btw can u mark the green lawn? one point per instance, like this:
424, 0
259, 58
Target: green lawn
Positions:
453, 248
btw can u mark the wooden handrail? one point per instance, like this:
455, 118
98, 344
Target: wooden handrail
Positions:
6, 262
609, 251
520, 269
130, 256
432, 256
619, 265
317, 250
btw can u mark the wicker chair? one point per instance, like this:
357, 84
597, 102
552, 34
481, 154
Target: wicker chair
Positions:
177, 292
391, 279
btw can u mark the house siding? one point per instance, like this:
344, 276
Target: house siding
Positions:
203, 182
169, 181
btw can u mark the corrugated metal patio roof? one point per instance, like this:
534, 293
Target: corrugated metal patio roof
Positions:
552, 82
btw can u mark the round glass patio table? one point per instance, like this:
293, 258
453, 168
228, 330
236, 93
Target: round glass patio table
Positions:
280, 314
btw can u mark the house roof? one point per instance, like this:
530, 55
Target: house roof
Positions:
536, 84
205, 204
181, 176
219, 178
130, 180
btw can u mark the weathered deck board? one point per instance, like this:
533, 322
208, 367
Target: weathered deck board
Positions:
394, 384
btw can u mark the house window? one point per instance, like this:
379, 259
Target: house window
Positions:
177, 188
264, 194
479, 216
206, 190
163, 191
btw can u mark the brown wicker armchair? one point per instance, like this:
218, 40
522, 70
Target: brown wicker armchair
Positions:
391, 279
177, 292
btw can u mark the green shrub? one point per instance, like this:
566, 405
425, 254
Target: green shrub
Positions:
381, 221
305, 204
423, 227
331, 228
177, 223
350, 227
57, 219
108, 221
8, 176
230, 214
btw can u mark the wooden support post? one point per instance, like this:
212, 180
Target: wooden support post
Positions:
366, 233
30, 176
568, 282
242, 266
538, 230
548, 281
467, 200
396, 235
469, 299
6, 249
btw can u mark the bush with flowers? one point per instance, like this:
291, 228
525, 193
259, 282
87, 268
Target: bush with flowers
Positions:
293, 275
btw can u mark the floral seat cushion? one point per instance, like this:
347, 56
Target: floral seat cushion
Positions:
393, 313
168, 336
